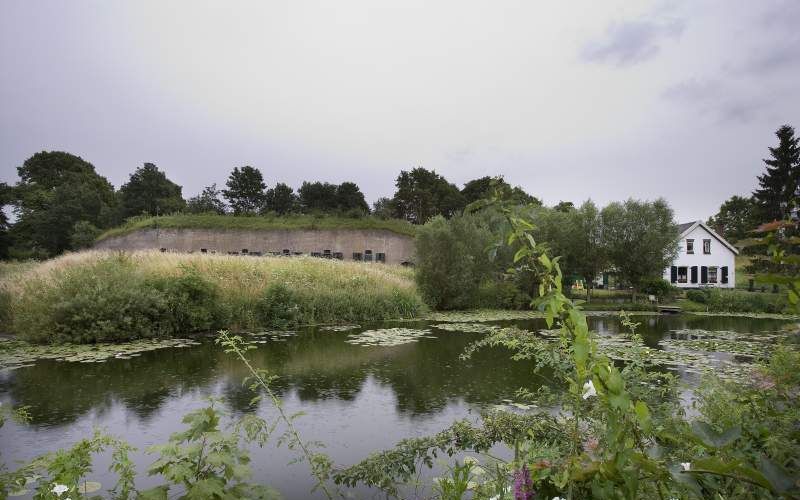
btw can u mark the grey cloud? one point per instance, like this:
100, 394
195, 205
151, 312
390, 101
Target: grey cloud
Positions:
693, 91
713, 97
631, 42
783, 54
778, 47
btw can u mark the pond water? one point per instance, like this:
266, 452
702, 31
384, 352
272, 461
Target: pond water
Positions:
358, 394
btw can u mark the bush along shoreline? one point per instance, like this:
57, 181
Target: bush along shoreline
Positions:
108, 297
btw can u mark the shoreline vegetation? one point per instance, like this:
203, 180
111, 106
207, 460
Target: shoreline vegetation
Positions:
258, 223
96, 296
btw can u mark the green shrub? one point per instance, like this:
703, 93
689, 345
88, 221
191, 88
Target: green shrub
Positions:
112, 300
105, 301
698, 296
659, 287
502, 295
193, 301
452, 261
279, 307
5, 311
736, 301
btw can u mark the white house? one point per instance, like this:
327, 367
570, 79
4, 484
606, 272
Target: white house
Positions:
704, 259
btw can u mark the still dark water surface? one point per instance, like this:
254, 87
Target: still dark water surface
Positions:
357, 399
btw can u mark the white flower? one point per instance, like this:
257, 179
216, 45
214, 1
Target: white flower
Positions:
589, 390
686, 465
58, 489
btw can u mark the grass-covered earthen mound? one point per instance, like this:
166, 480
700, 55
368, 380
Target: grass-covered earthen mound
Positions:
107, 296
259, 223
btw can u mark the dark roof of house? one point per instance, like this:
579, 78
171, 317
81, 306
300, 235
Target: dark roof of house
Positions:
684, 226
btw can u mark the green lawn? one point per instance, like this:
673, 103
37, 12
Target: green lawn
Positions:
210, 221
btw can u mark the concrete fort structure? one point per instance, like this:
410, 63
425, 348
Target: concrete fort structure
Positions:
369, 245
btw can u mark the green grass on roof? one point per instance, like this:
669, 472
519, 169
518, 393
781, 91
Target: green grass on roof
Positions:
256, 223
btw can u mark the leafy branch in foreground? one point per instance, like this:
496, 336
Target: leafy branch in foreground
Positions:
320, 464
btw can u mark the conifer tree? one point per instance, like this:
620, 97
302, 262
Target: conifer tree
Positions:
778, 186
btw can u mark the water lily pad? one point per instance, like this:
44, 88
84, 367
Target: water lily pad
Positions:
339, 328
16, 354
387, 337
467, 327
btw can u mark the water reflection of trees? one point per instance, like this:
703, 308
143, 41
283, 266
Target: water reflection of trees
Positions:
424, 376
60, 392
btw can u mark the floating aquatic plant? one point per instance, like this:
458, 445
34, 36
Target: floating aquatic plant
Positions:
15, 354
339, 328
388, 337
482, 315
466, 327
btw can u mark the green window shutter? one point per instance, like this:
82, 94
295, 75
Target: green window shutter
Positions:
673, 274
724, 278
694, 274
703, 274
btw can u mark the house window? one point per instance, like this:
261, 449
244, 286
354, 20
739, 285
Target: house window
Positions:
380, 257
338, 255
244, 251
682, 274
316, 254
689, 246
357, 256
712, 274
204, 250
706, 246
286, 251
326, 254
368, 255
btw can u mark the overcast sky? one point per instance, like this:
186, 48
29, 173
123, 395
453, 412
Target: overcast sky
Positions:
570, 100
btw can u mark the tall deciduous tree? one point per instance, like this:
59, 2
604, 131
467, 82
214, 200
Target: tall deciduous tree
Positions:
207, 201
150, 192
245, 193
587, 246
737, 217
641, 238
349, 198
281, 199
422, 194
482, 187
384, 208
452, 261
57, 190
318, 197
778, 186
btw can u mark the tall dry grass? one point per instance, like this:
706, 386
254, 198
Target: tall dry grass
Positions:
321, 290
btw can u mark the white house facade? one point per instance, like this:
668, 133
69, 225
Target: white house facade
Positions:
704, 259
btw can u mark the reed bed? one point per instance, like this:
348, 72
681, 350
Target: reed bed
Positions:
119, 295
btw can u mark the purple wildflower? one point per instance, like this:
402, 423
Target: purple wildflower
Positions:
523, 485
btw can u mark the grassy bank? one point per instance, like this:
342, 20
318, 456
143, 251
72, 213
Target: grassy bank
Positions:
256, 223
100, 296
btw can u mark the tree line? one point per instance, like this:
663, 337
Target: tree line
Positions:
62, 203
635, 239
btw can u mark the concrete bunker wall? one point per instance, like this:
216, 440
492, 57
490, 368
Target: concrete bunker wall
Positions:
348, 244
